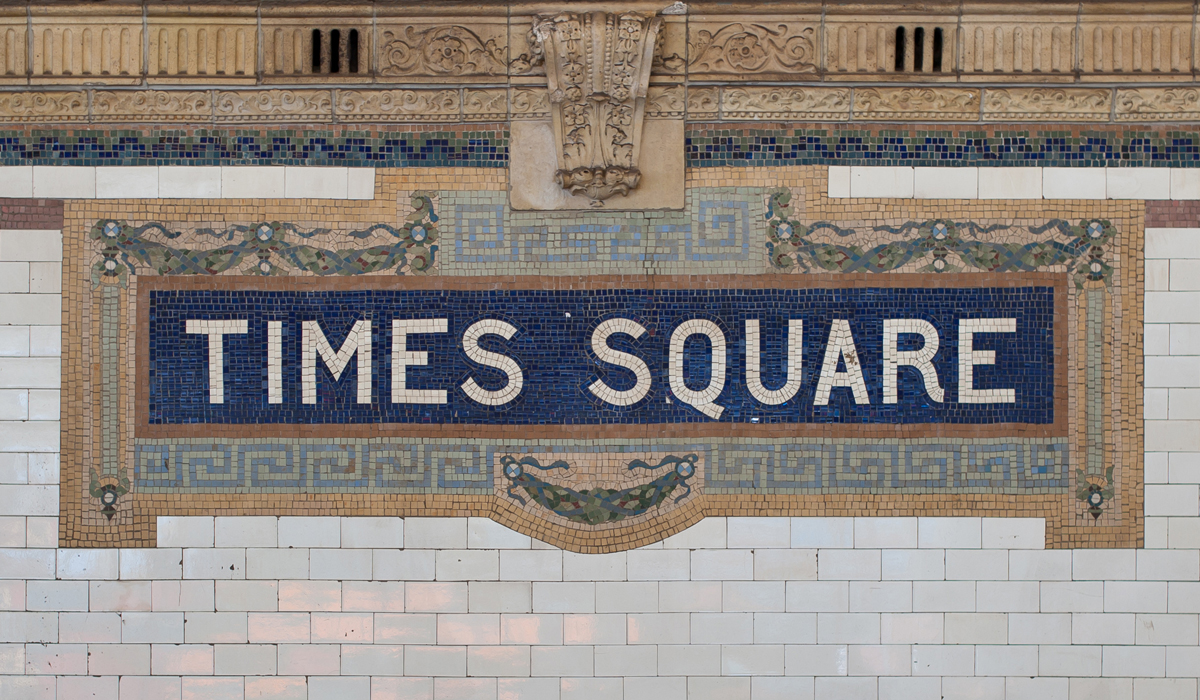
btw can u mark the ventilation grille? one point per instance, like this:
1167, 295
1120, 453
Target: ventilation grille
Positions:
919, 50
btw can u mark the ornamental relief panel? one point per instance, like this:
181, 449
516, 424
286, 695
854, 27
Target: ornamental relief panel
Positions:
445, 51
1038, 104
917, 103
764, 48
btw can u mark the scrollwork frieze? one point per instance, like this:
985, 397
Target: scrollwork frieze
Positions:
273, 105
752, 103
152, 105
1043, 103
450, 50
399, 105
1158, 104
941, 104
24, 107
750, 49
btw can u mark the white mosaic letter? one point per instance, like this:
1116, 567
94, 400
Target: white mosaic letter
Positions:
841, 347
403, 358
216, 330
357, 342
604, 353
795, 349
504, 363
274, 361
702, 400
968, 357
922, 359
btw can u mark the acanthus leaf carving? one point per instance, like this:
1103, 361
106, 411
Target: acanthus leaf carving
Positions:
43, 106
598, 69
918, 103
741, 48
785, 103
398, 105
152, 105
449, 50
274, 105
1155, 104
1033, 104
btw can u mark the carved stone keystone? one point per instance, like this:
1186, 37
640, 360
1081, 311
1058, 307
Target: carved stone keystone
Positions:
598, 70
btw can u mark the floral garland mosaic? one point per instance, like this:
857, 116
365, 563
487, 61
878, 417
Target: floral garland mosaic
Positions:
938, 246
599, 505
264, 249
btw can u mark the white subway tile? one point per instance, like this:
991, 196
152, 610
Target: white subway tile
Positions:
405, 628
1173, 499
816, 660
64, 181
946, 183
372, 660
944, 596
1175, 630
179, 596
881, 181
189, 531
976, 628
308, 182
428, 596
360, 183
253, 182
119, 596
189, 182
839, 182
1163, 688
559, 661
1135, 596
16, 181
569, 597
689, 596
849, 564
1144, 662
119, 659
1072, 596
1039, 565
823, 532
1007, 596
258, 596
722, 565
246, 531
1014, 533
939, 660
1074, 183
342, 628
484, 533
753, 596
56, 596
603, 629
30, 373
1139, 183
1172, 243
309, 659
340, 564
127, 182
531, 565
709, 533
87, 564
911, 628
879, 660
310, 531
780, 628
751, 660
847, 628
785, 564
818, 596
277, 563
373, 596
612, 566
913, 564
435, 533
531, 629
320, 596
214, 563
1010, 183
1039, 628
1185, 183
759, 533
626, 596
1006, 660
949, 533
152, 628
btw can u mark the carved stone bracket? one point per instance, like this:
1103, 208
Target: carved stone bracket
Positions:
598, 71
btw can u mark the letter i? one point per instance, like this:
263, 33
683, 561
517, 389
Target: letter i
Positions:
275, 362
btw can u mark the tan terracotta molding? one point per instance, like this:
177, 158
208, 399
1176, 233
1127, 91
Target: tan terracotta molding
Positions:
449, 43
696, 103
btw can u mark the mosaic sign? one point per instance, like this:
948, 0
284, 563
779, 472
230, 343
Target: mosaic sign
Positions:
601, 380
233, 355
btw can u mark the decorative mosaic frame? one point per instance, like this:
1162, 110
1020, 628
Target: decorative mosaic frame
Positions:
741, 471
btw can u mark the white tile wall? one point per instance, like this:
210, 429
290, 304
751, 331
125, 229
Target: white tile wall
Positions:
732, 608
1012, 183
186, 182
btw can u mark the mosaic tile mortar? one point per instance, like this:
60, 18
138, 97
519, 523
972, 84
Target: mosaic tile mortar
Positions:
707, 145
651, 429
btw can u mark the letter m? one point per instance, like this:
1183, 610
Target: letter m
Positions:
313, 342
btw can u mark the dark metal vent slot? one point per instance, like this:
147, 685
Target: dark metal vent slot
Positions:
335, 51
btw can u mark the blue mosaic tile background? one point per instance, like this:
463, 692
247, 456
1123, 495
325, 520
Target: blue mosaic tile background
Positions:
379, 148
553, 347
706, 145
